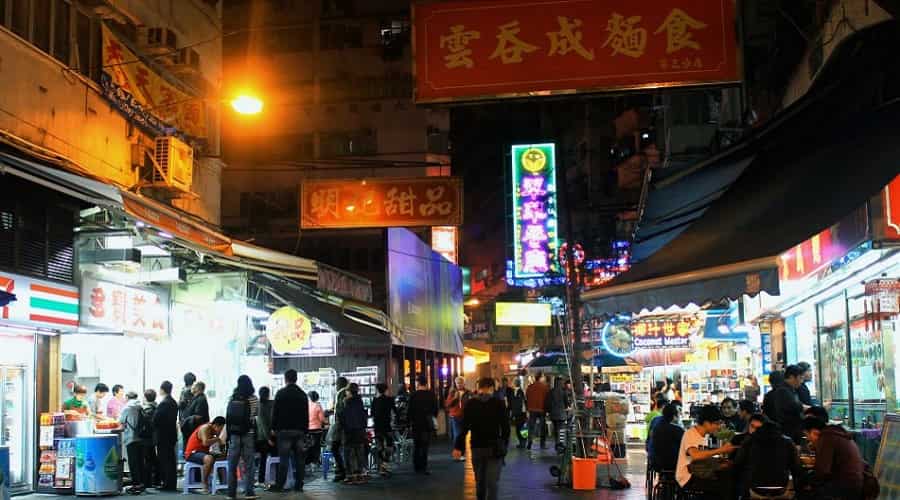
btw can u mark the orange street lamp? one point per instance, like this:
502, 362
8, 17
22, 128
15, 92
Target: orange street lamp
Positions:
247, 104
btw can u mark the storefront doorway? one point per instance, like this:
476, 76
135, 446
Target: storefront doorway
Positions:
17, 395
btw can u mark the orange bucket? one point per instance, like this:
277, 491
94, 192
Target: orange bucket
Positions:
584, 473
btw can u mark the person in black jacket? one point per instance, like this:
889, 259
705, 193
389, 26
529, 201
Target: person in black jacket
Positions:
766, 459
290, 424
165, 424
423, 409
517, 411
187, 395
382, 408
776, 380
667, 439
197, 412
485, 418
787, 407
803, 390
353, 423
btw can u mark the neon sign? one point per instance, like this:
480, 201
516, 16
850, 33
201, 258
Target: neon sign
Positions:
535, 236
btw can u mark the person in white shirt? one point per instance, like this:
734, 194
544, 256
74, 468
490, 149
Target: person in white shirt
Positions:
693, 448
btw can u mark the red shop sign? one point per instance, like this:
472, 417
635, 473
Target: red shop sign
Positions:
467, 50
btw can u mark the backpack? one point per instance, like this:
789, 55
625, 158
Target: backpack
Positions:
871, 487
237, 417
145, 423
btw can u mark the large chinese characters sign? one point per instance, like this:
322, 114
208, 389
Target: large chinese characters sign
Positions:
118, 308
535, 237
499, 48
385, 202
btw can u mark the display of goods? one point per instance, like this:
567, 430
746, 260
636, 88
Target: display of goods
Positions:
106, 425
74, 416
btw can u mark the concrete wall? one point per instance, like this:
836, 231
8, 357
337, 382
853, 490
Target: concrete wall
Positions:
57, 108
846, 17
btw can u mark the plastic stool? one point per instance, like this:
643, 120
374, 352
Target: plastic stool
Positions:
272, 473
326, 463
219, 477
193, 477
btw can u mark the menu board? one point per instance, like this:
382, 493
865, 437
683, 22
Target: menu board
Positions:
887, 465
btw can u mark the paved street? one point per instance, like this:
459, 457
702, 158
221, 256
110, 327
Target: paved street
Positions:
523, 478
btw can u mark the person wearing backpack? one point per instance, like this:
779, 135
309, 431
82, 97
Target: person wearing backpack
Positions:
240, 425
130, 418
290, 423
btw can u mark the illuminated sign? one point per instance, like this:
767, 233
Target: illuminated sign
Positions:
535, 237
668, 332
444, 240
477, 49
382, 202
288, 330
466, 281
119, 308
523, 314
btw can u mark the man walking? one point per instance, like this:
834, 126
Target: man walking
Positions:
536, 397
485, 418
454, 405
337, 431
517, 411
423, 409
164, 422
290, 423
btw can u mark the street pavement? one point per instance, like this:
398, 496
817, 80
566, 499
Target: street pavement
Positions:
526, 476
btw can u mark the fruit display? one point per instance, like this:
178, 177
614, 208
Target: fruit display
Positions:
106, 424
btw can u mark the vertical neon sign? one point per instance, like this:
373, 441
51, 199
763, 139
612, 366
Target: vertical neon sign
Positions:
535, 236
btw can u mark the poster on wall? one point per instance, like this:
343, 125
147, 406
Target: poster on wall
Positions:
119, 308
425, 294
292, 334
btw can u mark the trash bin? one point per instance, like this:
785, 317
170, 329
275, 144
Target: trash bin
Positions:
584, 473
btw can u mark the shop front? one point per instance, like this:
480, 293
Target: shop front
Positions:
34, 313
839, 309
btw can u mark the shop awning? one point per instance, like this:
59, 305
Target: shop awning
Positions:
76, 186
813, 169
352, 329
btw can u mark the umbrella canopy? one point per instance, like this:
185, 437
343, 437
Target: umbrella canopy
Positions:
551, 362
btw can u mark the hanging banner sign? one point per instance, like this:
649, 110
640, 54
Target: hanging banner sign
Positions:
382, 202
886, 294
144, 96
467, 50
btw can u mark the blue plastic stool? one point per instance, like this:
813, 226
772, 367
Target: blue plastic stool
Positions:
272, 473
326, 463
219, 477
193, 477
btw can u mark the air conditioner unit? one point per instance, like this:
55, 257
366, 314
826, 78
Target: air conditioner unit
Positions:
158, 42
187, 62
175, 164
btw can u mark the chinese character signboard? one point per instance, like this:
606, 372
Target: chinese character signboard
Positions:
535, 237
825, 248
384, 202
668, 332
40, 303
497, 48
118, 308
144, 96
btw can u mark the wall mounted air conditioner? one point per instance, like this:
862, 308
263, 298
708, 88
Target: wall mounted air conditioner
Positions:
175, 163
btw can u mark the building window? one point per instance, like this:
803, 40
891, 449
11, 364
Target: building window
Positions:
335, 36
355, 143
62, 42
293, 147
48, 25
287, 40
269, 205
